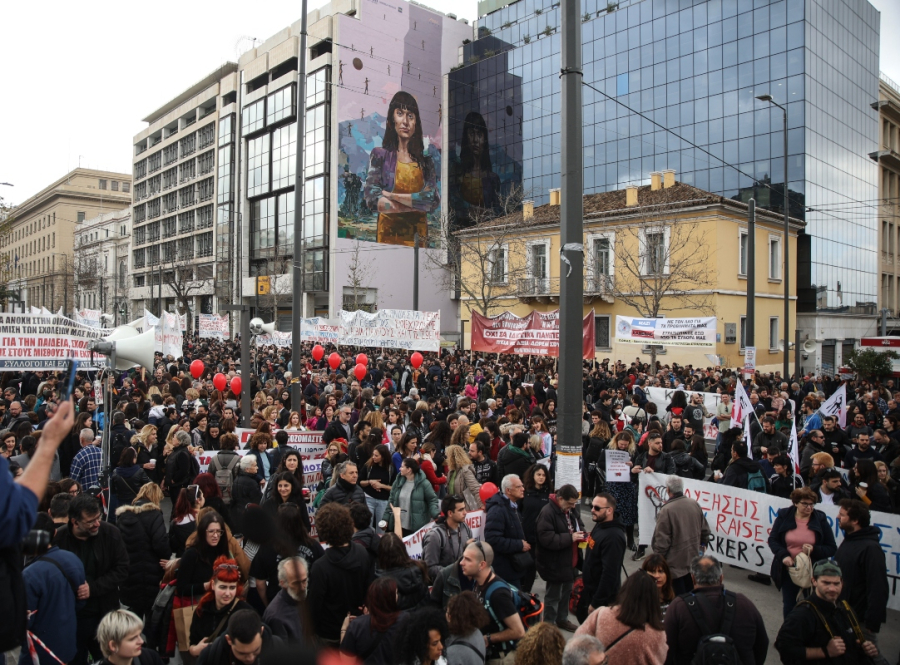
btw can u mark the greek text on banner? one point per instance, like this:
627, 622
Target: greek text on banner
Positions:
698, 333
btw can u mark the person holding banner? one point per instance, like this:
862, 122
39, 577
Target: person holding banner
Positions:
624, 493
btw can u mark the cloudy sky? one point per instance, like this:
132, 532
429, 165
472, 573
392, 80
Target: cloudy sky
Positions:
78, 77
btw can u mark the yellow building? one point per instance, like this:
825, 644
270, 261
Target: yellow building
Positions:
667, 249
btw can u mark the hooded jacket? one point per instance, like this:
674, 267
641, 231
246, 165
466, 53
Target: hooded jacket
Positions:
338, 583
513, 460
503, 531
687, 466
737, 472
557, 553
423, 505
143, 530
864, 571
411, 588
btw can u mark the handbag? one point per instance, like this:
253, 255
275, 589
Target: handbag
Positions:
157, 628
521, 562
183, 617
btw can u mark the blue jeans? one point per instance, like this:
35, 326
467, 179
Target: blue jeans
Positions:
377, 508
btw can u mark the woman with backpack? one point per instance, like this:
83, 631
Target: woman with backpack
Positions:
212, 496
223, 466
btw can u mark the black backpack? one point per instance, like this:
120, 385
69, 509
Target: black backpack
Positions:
714, 648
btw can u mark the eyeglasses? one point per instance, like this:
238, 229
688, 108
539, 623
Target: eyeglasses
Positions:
598, 508
214, 532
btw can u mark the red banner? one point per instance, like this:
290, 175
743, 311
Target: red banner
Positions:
536, 334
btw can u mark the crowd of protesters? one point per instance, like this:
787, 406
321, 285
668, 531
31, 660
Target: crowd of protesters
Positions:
125, 553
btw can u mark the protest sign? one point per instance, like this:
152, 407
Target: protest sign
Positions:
617, 469
836, 406
740, 521
698, 332
535, 334
749, 361
37, 342
662, 397
414, 542
168, 340
319, 330
213, 325
275, 338
88, 317
392, 329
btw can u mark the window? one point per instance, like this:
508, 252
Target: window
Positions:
154, 185
153, 255
743, 336
285, 238
773, 333
206, 189
206, 162
154, 162
254, 117
153, 232
602, 256
499, 273
743, 241
316, 140
188, 170
224, 175
102, 184
315, 210
205, 217
170, 154
601, 332
280, 105
140, 213
206, 136
186, 222
538, 256
654, 259
139, 280
205, 244
169, 251
284, 156
186, 248
774, 257
262, 228
140, 171
79, 217
314, 270
317, 87
115, 187
169, 227
170, 202
140, 191
138, 259
622, 85
170, 178
188, 196
258, 166
126, 187
226, 130
188, 144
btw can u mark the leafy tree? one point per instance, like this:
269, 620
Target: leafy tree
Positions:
870, 363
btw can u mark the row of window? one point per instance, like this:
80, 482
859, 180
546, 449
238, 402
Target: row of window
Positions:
185, 222
187, 170
174, 250
189, 273
183, 198
198, 140
269, 110
114, 185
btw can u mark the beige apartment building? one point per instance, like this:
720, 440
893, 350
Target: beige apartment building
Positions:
102, 247
888, 158
39, 240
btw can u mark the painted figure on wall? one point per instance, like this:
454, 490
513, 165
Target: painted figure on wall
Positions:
401, 182
479, 186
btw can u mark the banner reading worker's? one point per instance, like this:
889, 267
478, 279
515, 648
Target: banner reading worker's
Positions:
536, 334
698, 333
37, 342
740, 521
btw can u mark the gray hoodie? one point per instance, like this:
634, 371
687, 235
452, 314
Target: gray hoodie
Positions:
458, 653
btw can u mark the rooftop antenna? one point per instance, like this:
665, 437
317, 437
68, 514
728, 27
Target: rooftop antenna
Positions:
237, 45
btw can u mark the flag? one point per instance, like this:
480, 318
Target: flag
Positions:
794, 449
747, 439
836, 406
741, 407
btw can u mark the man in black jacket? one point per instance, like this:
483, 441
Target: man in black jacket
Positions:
346, 488
769, 437
339, 428
738, 472
653, 459
247, 641
504, 532
559, 530
603, 558
100, 548
514, 459
863, 565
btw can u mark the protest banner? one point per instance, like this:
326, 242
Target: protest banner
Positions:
414, 541
617, 469
392, 329
319, 330
536, 334
213, 325
698, 332
749, 361
169, 339
88, 317
150, 319
275, 338
308, 444
740, 521
37, 342
662, 397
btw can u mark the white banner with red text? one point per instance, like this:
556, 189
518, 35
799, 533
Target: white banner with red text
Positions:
740, 521
213, 325
39, 342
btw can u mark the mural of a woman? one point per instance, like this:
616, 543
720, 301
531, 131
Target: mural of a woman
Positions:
479, 186
401, 183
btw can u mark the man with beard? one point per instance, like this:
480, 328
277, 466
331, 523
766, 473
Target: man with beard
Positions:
283, 615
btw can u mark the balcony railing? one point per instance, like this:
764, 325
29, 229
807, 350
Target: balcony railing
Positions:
546, 289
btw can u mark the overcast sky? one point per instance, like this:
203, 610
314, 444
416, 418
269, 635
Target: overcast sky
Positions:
78, 77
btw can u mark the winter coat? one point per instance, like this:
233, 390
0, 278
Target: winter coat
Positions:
360, 640
462, 482
644, 646
736, 474
424, 504
244, 490
557, 553
441, 548
219, 652
803, 629
785, 521
686, 466
111, 563
513, 460
411, 587
282, 615
344, 493
127, 481
179, 470
862, 563
603, 563
503, 531
338, 583
143, 530
530, 507
681, 529
664, 463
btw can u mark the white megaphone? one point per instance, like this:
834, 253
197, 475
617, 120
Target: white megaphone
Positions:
131, 348
258, 327
809, 346
106, 319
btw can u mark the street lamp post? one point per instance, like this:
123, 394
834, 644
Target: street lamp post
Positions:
787, 255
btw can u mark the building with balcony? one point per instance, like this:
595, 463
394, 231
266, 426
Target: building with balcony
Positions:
100, 264
667, 249
888, 158
39, 238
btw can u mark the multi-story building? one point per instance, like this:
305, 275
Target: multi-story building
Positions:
888, 157
178, 181
669, 248
39, 240
696, 69
363, 61
102, 248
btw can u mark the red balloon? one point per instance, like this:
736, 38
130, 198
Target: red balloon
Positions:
236, 385
360, 372
220, 382
197, 368
416, 360
318, 353
362, 359
334, 360
487, 491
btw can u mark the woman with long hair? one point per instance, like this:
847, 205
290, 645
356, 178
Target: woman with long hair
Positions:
184, 517
429, 467
9, 444
197, 561
415, 508
421, 639
539, 428
406, 447
460, 437
143, 530
537, 495
370, 636
657, 567
295, 423
333, 457
596, 443
376, 477
624, 491
543, 644
466, 617
698, 452
865, 483
126, 481
292, 463
411, 575
217, 605
891, 485
285, 489
461, 479
212, 495
633, 623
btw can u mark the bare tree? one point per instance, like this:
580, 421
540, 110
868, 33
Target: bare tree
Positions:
662, 265
358, 275
87, 273
484, 261
7, 260
179, 277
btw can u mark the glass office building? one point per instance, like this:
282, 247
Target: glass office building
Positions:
696, 67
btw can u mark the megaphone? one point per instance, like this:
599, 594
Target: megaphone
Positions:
809, 346
132, 348
259, 327
781, 345
106, 319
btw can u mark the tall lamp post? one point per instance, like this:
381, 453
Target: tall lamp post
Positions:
785, 372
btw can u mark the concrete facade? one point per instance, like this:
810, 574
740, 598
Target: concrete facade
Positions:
101, 274
888, 158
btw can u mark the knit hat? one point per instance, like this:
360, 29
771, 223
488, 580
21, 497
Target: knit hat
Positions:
826, 567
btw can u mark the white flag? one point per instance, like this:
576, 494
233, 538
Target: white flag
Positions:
741, 406
794, 448
748, 439
836, 405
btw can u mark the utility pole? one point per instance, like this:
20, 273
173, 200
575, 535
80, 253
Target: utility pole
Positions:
297, 295
750, 324
571, 276
416, 272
